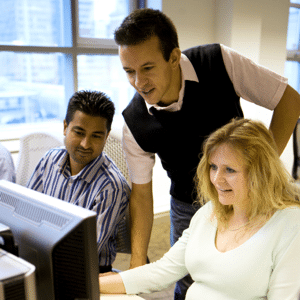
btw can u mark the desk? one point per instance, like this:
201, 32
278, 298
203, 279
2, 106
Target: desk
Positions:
119, 297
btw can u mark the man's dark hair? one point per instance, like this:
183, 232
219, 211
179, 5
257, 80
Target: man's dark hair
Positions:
93, 103
142, 24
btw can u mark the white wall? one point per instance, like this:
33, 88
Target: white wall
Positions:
256, 28
194, 20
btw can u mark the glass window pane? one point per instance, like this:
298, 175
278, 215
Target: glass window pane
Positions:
295, 1
292, 72
105, 73
293, 29
156, 4
31, 22
31, 87
99, 19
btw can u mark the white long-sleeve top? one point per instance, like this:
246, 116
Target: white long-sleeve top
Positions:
266, 266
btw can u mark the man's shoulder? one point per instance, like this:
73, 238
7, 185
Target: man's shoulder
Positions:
136, 104
202, 50
111, 170
54, 156
54, 152
110, 179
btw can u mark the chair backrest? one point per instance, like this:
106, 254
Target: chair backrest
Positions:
33, 146
113, 149
296, 148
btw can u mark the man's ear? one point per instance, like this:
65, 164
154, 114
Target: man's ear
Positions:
175, 57
65, 127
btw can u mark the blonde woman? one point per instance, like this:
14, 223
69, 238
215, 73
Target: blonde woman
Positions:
244, 242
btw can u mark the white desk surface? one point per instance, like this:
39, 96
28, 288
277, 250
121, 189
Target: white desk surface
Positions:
118, 296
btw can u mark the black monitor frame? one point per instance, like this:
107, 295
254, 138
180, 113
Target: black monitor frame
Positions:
57, 237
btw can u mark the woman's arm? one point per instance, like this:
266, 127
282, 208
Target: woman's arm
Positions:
111, 284
285, 278
150, 277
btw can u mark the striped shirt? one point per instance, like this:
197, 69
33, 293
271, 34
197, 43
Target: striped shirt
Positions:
99, 187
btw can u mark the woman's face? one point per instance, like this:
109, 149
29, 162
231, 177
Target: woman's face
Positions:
228, 174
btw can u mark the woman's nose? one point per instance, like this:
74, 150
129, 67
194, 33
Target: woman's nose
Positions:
219, 177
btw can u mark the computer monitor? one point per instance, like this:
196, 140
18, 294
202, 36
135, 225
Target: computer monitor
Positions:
57, 237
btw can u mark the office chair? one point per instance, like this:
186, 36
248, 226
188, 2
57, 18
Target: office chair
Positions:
33, 146
113, 149
296, 148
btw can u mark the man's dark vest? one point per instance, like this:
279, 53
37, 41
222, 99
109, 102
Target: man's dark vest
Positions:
177, 137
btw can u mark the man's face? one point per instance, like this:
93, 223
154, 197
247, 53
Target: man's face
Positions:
85, 138
155, 79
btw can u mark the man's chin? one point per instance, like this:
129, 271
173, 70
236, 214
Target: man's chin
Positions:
149, 98
83, 161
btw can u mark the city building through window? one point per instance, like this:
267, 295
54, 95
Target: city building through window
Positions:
51, 48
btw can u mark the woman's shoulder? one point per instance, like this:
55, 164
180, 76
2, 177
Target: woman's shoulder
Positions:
205, 209
291, 211
204, 213
287, 220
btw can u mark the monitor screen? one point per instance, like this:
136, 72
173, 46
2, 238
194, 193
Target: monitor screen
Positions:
57, 237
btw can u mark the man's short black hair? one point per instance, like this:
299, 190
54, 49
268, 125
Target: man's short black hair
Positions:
142, 24
93, 103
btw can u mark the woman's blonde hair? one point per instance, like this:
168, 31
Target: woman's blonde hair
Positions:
269, 184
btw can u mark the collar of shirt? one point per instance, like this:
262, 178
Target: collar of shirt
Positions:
187, 73
87, 173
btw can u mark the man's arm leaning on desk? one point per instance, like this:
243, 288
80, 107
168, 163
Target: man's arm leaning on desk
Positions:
140, 165
141, 212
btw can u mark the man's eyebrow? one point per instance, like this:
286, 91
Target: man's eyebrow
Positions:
78, 128
144, 65
99, 132
82, 129
148, 63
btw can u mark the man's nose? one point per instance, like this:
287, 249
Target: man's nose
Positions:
140, 81
85, 143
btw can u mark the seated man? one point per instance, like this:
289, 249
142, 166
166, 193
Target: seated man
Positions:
80, 173
7, 167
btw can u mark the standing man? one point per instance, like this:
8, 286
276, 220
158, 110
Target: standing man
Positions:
181, 98
80, 173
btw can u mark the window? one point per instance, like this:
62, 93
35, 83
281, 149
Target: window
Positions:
292, 66
51, 48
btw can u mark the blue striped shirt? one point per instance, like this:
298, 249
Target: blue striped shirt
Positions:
99, 186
